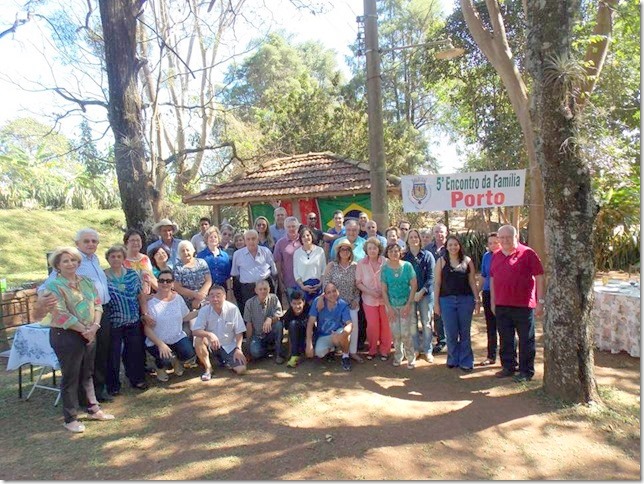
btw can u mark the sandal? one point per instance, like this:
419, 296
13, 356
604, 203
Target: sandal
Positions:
75, 426
98, 414
206, 376
370, 357
486, 362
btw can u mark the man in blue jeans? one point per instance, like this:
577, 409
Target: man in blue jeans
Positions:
515, 273
262, 315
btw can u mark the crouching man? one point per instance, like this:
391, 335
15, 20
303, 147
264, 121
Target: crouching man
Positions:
219, 330
332, 326
262, 315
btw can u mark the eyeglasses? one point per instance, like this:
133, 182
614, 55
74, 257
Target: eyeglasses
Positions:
313, 218
166, 281
345, 249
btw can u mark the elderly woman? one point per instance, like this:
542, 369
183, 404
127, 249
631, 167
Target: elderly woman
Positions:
398, 288
166, 340
192, 277
126, 309
368, 281
265, 237
75, 320
309, 263
454, 301
423, 263
134, 259
342, 273
159, 257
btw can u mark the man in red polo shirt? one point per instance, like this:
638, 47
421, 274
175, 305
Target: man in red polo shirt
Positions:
515, 273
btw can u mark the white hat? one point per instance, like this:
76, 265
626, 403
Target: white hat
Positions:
162, 223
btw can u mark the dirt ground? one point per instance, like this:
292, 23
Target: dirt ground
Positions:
318, 422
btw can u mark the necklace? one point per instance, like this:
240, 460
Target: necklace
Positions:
307, 252
397, 270
119, 280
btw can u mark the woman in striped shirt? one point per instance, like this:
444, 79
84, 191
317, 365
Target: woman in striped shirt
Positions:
127, 301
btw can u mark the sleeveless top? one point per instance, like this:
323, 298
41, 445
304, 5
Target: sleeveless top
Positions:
455, 282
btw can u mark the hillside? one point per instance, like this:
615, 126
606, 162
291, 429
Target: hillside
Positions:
27, 236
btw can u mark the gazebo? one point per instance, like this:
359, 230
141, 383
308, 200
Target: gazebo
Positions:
312, 182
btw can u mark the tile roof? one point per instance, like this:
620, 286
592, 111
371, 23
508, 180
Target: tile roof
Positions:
300, 176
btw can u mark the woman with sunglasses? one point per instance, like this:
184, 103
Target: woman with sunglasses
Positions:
262, 227
166, 341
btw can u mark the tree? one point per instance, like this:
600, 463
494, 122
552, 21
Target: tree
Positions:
119, 19
569, 206
493, 42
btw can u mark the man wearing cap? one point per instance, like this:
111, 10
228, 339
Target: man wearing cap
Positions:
166, 229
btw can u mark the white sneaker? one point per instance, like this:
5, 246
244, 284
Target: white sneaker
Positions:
162, 374
178, 366
429, 357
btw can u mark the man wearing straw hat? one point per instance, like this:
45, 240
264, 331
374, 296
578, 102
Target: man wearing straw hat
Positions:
166, 229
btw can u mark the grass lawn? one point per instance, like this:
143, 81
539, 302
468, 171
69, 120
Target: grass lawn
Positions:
28, 235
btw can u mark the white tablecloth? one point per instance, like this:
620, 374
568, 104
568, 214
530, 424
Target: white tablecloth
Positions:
31, 345
616, 314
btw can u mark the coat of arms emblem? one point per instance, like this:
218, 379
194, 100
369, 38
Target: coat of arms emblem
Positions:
420, 191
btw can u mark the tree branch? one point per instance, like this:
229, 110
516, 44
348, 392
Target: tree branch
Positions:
62, 92
175, 156
16, 23
596, 51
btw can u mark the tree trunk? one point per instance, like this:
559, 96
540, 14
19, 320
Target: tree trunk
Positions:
569, 206
118, 18
494, 45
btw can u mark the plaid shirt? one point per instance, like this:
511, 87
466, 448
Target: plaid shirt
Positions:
255, 313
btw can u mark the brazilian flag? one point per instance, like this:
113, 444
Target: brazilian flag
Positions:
351, 207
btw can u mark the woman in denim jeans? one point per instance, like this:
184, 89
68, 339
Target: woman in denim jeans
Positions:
454, 301
423, 263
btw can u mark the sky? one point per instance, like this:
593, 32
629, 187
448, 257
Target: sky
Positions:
336, 29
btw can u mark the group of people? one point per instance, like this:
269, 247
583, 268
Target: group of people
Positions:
347, 289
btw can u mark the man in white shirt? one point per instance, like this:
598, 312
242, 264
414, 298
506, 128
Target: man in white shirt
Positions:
198, 239
252, 264
219, 330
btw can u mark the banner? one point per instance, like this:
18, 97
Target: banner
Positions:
481, 189
351, 206
266, 209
